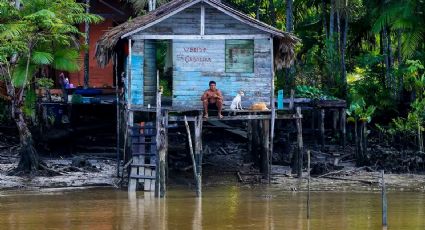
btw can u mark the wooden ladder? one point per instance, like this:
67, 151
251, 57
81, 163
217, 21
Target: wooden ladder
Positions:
144, 156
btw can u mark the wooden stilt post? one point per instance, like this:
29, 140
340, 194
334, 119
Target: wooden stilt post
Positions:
117, 103
265, 148
192, 155
159, 138
322, 128
132, 184
384, 201
308, 184
342, 126
335, 118
198, 153
162, 152
256, 142
249, 135
299, 142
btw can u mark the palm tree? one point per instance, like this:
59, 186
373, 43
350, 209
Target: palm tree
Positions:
41, 32
406, 16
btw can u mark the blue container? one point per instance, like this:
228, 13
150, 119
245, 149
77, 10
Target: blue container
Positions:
86, 100
280, 99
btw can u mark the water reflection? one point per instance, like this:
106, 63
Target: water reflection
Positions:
220, 208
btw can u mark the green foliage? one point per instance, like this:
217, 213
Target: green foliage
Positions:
359, 110
166, 89
311, 92
29, 103
413, 76
45, 83
409, 126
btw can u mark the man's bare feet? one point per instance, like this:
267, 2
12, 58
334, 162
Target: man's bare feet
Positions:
205, 115
220, 116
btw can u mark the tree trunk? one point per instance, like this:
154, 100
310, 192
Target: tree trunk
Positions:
356, 138
29, 160
289, 16
272, 11
384, 44
86, 52
399, 61
289, 28
331, 19
257, 9
399, 46
390, 64
343, 45
325, 28
338, 27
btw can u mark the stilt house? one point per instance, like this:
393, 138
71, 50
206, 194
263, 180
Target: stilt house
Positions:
206, 41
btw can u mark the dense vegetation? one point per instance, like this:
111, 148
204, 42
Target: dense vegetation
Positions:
370, 53
33, 34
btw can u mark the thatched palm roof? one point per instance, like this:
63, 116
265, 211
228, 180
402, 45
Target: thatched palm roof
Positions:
284, 51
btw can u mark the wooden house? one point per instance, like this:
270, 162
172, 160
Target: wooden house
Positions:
207, 41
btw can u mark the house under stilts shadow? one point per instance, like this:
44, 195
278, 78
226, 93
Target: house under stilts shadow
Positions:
205, 40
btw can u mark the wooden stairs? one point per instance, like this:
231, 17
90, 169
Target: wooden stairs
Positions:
144, 152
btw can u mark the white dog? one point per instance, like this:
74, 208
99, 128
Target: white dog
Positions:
236, 102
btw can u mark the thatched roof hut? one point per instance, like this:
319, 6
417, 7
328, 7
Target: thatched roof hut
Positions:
284, 44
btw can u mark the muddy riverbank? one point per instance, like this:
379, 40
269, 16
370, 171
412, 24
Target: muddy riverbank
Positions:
102, 172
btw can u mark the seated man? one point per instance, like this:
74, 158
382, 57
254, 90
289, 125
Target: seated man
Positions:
212, 99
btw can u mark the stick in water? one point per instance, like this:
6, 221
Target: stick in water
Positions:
308, 185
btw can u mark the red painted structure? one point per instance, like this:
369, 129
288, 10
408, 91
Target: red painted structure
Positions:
114, 12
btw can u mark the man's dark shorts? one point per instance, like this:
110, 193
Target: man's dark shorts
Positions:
212, 106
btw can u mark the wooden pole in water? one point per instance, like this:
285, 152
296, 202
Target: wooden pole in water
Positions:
158, 138
189, 139
198, 153
308, 185
384, 201
118, 116
322, 128
273, 110
342, 126
300, 142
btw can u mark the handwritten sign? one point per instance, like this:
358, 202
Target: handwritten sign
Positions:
199, 55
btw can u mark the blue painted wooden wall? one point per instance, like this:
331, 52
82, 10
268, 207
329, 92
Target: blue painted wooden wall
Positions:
192, 70
196, 62
136, 73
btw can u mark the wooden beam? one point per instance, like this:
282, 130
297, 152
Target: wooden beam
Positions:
158, 140
199, 37
265, 153
129, 74
342, 125
160, 19
273, 108
262, 28
300, 144
198, 153
202, 20
322, 127
241, 117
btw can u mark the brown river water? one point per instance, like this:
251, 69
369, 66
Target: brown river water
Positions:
220, 208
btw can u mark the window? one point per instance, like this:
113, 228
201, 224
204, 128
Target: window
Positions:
240, 56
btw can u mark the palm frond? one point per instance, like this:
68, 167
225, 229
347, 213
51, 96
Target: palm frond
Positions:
19, 77
411, 40
12, 30
41, 58
66, 60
